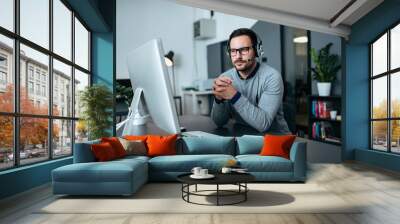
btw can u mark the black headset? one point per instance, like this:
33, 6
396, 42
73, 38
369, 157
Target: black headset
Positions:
258, 47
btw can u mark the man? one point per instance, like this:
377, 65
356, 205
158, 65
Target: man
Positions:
251, 92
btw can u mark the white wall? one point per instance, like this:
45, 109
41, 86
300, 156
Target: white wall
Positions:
140, 21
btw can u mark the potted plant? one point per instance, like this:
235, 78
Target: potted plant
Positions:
96, 102
326, 67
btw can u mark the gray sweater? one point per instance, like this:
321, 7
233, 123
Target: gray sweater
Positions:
259, 105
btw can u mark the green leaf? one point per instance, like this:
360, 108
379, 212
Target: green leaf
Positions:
326, 65
96, 102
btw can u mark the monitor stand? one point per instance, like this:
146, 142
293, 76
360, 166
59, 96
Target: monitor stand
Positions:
134, 118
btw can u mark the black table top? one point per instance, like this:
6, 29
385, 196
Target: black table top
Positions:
220, 178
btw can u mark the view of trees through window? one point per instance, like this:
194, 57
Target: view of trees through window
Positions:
38, 118
385, 92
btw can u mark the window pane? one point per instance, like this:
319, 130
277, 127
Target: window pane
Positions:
395, 47
6, 142
62, 138
33, 139
62, 29
81, 131
6, 74
379, 135
35, 21
7, 14
379, 97
81, 45
379, 56
395, 95
34, 97
81, 81
62, 89
395, 136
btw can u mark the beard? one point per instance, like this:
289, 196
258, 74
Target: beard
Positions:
244, 65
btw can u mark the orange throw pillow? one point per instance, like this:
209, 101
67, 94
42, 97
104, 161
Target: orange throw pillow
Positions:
116, 145
161, 145
135, 137
277, 145
103, 152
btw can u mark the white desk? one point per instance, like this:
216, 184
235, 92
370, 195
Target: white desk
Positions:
191, 103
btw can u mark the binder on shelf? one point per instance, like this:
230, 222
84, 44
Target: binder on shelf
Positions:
322, 128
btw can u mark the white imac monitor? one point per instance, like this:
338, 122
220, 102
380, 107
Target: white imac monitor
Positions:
149, 76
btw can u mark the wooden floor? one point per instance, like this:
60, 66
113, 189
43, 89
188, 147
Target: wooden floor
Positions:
377, 188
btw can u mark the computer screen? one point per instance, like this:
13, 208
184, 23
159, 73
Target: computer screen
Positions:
147, 71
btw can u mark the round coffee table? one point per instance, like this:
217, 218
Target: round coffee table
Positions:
238, 179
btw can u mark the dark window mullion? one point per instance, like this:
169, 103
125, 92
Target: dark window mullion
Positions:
73, 81
16, 83
89, 52
50, 81
389, 106
371, 89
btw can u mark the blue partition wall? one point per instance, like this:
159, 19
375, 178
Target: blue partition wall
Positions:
356, 145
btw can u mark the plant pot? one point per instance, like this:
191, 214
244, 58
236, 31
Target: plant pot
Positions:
324, 88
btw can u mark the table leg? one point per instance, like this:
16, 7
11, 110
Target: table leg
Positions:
188, 190
245, 193
196, 187
217, 194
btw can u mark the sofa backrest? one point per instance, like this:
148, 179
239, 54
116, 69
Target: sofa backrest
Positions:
246, 144
206, 145
249, 144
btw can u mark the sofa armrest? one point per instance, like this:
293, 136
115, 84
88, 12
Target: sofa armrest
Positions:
298, 155
83, 152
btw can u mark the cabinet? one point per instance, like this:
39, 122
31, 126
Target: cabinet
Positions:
197, 102
324, 126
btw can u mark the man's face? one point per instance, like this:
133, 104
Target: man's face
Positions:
242, 60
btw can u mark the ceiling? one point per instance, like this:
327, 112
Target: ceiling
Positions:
327, 16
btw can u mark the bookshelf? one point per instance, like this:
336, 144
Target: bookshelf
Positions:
322, 127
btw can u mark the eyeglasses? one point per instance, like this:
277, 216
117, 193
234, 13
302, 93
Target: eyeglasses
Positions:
242, 51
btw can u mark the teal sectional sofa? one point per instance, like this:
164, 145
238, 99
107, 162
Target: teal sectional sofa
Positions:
125, 176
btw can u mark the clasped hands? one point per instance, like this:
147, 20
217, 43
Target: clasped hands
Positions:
223, 88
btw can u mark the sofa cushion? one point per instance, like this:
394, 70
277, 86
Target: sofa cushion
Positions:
277, 145
161, 145
208, 145
132, 158
112, 171
249, 144
116, 145
103, 152
185, 163
257, 163
135, 137
134, 147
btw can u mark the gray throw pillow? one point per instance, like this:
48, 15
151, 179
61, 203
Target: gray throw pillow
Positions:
136, 147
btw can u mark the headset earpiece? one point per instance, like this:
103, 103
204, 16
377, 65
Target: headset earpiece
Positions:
258, 47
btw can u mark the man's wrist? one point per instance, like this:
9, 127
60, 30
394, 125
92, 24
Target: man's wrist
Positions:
218, 101
235, 97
